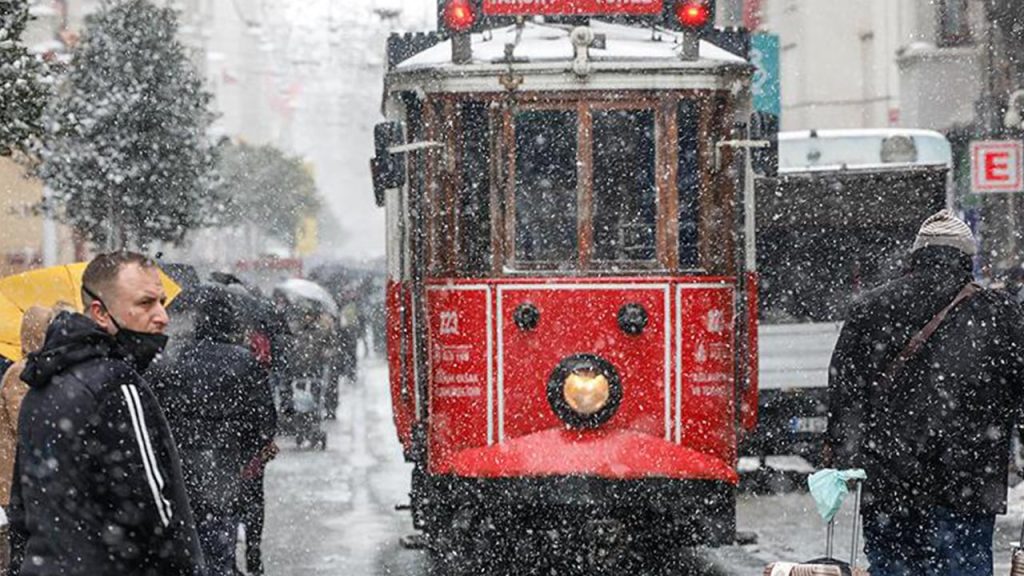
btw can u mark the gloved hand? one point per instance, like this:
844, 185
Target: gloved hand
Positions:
255, 466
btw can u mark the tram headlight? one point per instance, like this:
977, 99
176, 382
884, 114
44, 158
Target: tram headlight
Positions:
584, 391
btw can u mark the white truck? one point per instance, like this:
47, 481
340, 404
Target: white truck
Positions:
840, 218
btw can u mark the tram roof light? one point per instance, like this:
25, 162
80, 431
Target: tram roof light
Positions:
459, 16
693, 13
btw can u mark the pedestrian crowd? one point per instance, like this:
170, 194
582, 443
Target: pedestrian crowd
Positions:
133, 445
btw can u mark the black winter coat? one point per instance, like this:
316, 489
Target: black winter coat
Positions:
221, 410
98, 484
308, 352
939, 433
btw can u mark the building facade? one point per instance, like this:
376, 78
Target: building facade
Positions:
943, 65
23, 229
27, 240
877, 63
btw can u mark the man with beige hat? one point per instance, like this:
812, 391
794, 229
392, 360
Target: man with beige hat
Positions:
926, 382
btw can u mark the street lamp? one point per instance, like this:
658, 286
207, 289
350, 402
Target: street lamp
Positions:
1013, 119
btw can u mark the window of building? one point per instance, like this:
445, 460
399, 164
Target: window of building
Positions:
954, 24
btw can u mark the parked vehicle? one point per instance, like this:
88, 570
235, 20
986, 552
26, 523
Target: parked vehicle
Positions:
840, 218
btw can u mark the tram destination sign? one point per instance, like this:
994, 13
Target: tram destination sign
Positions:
571, 7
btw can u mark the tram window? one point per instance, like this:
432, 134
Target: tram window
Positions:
688, 182
546, 182
439, 210
474, 202
625, 193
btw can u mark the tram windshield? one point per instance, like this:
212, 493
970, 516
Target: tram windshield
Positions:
546, 186
625, 195
581, 186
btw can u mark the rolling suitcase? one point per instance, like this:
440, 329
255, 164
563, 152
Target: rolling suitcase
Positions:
827, 566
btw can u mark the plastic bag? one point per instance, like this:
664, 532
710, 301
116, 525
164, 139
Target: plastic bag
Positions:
828, 488
303, 399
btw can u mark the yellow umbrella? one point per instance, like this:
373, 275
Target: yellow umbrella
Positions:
10, 331
45, 287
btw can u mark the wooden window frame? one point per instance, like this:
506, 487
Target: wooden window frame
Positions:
716, 239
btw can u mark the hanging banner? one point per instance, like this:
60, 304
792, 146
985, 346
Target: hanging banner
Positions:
764, 55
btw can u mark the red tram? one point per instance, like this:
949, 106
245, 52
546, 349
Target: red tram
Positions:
571, 304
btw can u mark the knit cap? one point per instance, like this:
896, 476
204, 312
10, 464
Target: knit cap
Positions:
944, 229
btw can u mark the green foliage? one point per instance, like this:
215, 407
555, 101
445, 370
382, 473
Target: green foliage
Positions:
24, 82
126, 150
268, 189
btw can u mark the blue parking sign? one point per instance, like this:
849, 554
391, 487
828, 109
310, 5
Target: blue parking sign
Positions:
764, 55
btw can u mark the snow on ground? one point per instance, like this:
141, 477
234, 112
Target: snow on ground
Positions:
333, 512
793, 464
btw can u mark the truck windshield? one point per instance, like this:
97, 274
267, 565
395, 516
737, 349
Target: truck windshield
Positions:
824, 236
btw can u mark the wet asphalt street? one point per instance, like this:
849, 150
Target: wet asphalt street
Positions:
333, 512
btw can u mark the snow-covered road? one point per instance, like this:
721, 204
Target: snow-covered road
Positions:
334, 512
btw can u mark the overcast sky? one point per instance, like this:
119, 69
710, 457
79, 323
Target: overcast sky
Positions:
340, 104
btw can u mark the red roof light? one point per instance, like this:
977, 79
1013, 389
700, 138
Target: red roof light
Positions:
459, 16
693, 13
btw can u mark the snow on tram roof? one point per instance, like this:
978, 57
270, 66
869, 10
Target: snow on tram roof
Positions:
549, 43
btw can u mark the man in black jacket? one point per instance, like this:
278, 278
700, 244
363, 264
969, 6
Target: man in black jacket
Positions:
221, 412
98, 485
934, 435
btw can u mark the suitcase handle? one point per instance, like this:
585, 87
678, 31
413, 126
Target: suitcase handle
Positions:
1020, 543
854, 539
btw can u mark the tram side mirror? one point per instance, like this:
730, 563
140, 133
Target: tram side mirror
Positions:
765, 126
388, 169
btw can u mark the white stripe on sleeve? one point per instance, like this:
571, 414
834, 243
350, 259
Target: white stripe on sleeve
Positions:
145, 437
149, 448
153, 476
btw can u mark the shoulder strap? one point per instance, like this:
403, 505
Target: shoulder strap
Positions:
919, 339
